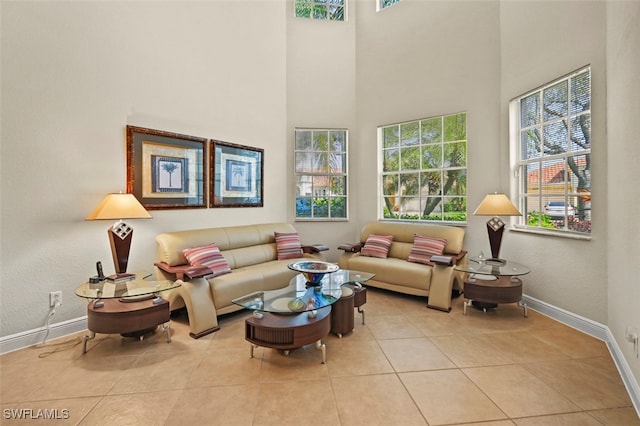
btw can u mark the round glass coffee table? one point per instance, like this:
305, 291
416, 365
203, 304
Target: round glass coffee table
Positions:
491, 283
296, 315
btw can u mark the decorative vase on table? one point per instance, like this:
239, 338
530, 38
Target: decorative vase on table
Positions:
313, 270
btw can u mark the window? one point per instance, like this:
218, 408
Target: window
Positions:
551, 139
386, 3
332, 10
424, 169
321, 173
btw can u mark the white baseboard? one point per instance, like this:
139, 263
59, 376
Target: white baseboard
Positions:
597, 330
36, 336
592, 328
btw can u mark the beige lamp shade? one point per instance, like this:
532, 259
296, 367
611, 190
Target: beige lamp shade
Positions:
119, 206
496, 205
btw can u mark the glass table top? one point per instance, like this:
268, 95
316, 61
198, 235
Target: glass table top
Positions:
298, 297
139, 287
494, 268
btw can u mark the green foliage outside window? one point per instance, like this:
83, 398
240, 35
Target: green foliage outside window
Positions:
321, 173
424, 169
332, 10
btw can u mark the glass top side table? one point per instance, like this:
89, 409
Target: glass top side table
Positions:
492, 283
130, 308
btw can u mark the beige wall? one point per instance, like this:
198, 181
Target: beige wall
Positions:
568, 273
74, 74
623, 110
321, 66
426, 58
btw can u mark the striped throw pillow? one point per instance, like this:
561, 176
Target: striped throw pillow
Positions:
209, 256
288, 245
377, 246
424, 247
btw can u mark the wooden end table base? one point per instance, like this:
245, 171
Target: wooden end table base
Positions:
481, 305
165, 329
129, 319
487, 294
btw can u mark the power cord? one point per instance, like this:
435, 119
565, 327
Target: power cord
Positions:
60, 347
52, 311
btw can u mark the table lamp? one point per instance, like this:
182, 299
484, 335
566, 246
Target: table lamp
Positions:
496, 205
118, 207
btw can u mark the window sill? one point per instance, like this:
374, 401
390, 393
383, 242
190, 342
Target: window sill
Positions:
322, 219
561, 234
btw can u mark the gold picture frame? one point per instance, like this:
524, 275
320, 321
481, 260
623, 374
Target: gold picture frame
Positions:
166, 170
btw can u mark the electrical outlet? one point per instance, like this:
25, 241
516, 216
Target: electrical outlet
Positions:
55, 298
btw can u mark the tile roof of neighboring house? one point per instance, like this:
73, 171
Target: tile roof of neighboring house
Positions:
552, 173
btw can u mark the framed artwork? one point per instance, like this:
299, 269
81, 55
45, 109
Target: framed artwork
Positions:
166, 170
236, 175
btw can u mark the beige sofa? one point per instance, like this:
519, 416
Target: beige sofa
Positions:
397, 274
251, 254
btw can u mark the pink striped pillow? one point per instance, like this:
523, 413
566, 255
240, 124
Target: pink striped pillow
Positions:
377, 246
288, 245
424, 247
209, 256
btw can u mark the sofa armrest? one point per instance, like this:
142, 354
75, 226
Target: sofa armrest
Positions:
351, 248
458, 258
185, 271
314, 248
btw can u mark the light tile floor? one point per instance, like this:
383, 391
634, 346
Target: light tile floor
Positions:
408, 365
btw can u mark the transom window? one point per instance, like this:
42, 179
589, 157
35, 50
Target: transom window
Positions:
332, 10
551, 136
382, 4
424, 169
321, 173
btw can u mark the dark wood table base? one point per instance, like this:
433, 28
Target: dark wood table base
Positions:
487, 294
286, 332
129, 319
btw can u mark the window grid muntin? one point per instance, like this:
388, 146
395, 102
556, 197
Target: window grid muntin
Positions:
573, 197
440, 172
323, 203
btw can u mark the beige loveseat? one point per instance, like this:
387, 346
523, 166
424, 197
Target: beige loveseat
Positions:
398, 274
250, 252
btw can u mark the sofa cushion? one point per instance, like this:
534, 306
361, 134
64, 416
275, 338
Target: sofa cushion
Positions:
424, 247
208, 256
288, 245
377, 246
393, 271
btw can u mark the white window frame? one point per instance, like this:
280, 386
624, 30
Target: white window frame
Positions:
530, 201
314, 177
327, 5
397, 197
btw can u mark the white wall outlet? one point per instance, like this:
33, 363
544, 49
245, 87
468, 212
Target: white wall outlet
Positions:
55, 298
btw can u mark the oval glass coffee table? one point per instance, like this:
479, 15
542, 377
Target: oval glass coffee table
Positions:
296, 315
130, 308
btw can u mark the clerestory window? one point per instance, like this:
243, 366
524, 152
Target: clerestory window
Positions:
382, 4
424, 169
321, 174
331, 10
551, 143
